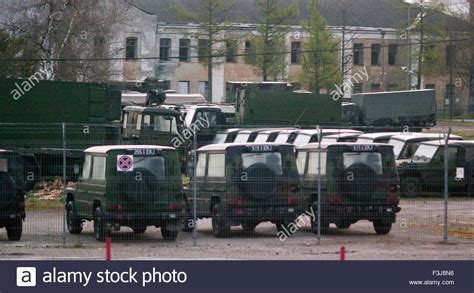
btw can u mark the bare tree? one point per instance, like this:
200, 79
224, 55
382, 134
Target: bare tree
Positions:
65, 29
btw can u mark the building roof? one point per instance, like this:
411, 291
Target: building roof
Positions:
359, 13
107, 148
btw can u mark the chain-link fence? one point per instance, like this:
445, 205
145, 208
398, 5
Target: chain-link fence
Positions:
259, 188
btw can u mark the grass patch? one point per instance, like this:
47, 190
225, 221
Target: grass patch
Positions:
33, 203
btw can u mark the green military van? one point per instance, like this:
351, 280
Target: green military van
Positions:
246, 184
358, 182
12, 200
127, 185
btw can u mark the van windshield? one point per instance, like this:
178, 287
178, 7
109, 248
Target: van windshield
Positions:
160, 123
154, 164
270, 159
425, 153
373, 160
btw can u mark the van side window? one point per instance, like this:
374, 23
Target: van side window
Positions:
301, 162
201, 165
3, 165
313, 163
216, 167
86, 171
98, 168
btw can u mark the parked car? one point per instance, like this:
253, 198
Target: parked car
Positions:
376, 137
340, 137
426, 168
246, 184
306, 136
127, 185
271, 134
358, 182
406, 144
12, 200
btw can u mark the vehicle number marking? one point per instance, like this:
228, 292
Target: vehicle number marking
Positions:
362, 147
262, 148
144, 152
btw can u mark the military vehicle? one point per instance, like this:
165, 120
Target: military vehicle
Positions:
32, 112
246, 184
127, 185
287, 109
425, 170
413, 109
358, 182
340, 137
12, 200
406, 143
234, 87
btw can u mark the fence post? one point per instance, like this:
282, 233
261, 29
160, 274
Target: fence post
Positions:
446, 182
194, 158
319, 184
64, 182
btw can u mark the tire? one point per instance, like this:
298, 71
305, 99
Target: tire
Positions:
411, 186
14, 230
100, 231
249, 226
139, 228
382, 227
168, 234
343, 224
220, 228
74, 224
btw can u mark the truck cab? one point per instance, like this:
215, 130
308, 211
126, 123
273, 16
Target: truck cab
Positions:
12, 200
127, 185
151, 125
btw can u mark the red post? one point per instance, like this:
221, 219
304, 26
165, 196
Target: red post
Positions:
108, 249
342, 253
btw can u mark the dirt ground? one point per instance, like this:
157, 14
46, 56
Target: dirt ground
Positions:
417, 235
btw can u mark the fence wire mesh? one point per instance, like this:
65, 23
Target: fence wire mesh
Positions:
252, 190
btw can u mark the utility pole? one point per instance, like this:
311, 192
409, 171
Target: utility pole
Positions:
471, 71
422, 47
382, 88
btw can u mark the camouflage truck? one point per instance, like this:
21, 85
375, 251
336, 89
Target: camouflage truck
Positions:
279, 108
32, 112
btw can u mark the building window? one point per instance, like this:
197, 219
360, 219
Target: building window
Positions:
375, 54
358, 88
392, 54
203, 47
295, 52
375, 87
131, 48
202, 88
358, 52
230, 51
183, 87
184, 45
450, 55
165, 49
430, 86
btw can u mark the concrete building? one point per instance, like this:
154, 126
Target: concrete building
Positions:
373, 44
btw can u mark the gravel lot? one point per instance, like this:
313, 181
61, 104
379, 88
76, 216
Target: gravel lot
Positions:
417, 234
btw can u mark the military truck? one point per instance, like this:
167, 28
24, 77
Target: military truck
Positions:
127, 185
425, 170
413, 109
287, 109
246, 184
32, 112
358, 182
12, 200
